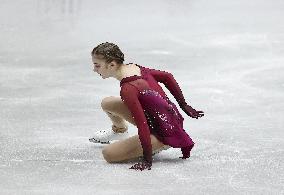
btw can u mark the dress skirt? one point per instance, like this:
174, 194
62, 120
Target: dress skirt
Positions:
164, 119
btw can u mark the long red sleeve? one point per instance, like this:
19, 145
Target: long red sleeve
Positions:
129, 94
168, 80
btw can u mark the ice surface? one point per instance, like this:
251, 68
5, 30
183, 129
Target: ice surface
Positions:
227, 56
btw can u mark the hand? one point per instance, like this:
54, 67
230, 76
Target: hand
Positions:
184, 157
186, 151
192, 112
141, 166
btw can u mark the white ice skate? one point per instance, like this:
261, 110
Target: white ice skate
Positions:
156, 151
104, 137
160, 149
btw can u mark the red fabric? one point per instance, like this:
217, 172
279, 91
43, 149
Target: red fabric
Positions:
130, 92
153, 76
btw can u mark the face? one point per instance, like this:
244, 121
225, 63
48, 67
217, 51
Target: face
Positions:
101, 67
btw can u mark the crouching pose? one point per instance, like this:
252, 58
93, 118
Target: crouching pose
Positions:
143, 103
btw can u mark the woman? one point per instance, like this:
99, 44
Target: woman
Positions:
144, 104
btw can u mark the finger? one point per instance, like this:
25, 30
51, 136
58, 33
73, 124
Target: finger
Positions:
200, 114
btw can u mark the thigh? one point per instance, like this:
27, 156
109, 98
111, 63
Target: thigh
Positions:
129, 148
116, 106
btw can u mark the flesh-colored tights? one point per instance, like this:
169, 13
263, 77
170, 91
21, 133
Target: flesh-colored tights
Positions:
129, 148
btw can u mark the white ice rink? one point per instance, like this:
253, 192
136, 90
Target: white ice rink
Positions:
226, 55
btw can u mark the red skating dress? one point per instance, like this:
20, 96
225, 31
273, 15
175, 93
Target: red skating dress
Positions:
153, 112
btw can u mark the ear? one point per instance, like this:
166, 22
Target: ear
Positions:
112, 65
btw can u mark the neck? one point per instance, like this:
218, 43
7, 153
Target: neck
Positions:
124, 71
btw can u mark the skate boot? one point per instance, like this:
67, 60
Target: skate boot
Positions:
160, 149
165, 147
104, 136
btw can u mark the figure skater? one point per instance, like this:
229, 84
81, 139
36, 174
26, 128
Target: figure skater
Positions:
143, 103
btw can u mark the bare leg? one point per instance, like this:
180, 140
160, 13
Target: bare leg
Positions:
124, 149
128, 149
117, 112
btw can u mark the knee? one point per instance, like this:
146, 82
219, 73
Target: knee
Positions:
107, 155
106, 102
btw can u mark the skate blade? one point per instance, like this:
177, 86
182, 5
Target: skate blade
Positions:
97, 141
